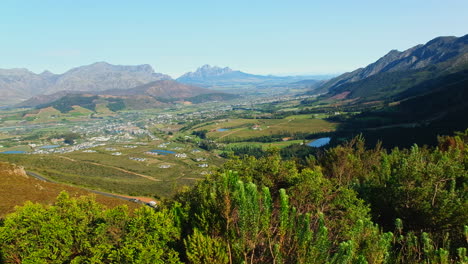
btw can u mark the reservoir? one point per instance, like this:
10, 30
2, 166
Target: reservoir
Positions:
222, 129
319, 142
162, 152
49, 146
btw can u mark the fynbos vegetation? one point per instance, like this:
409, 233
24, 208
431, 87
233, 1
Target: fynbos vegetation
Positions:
346, 205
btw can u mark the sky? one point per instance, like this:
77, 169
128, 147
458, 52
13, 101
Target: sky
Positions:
261, 37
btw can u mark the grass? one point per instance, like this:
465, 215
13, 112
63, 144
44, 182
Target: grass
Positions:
119, 174
17, 148
16, 188
79, 111
248, 128
265, 146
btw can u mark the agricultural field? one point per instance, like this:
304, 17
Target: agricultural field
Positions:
243, 129
124, 169
17, 188
264, 146
110, 151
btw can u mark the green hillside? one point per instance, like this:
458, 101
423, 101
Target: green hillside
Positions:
65, 103
435, 107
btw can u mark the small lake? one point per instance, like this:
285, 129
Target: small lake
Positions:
13, 152
162, 152
49, 146
222, 129
319, 142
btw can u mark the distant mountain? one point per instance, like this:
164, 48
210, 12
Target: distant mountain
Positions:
102, 76
207, 72
225, 78
20, 84
153, 94
398, 71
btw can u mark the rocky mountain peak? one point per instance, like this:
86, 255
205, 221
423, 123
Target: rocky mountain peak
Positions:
207, 71
46, 73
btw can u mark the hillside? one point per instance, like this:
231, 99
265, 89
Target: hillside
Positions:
17, 85
16, 187
347, 205
422, 112
161, 89
398, 71
153, 94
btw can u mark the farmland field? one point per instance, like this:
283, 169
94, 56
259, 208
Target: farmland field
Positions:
118, 173
17, 189
249, 128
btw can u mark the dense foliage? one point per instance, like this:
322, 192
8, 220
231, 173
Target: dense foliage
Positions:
347, 204
65, 103
80, 231
115, 104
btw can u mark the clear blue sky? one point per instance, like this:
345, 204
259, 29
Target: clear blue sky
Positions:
278, 37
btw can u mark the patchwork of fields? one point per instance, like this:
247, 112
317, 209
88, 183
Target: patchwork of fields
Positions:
243, 129
132, 172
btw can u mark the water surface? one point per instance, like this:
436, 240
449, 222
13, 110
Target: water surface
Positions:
319, 142
49, 146
13, 152
162, 152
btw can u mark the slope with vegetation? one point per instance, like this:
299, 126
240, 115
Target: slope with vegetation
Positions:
16, 188
397, 71
348, 204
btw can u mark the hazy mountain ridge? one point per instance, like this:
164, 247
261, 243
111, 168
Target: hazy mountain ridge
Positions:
204, 72
215, 77
20, 84
104, 76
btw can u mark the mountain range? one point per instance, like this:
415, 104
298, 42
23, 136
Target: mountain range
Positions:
397, 72
394, 77
17, 85
218, 78
406, 97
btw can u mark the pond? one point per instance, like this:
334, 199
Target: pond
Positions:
319, 142
222, 129
13, 152
49, 146
162, 152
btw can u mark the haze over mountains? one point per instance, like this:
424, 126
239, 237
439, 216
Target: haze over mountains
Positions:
215, 77
17, 85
